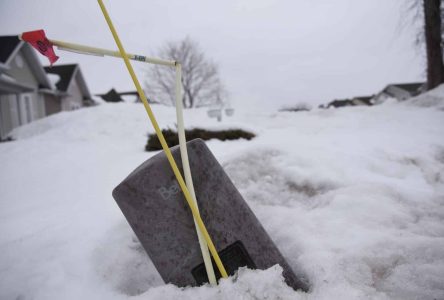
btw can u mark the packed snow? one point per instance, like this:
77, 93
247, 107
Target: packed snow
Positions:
352, 196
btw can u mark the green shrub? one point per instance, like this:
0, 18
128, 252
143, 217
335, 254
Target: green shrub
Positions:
172, 138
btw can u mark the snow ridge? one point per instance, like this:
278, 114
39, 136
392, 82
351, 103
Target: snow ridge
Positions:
353, 197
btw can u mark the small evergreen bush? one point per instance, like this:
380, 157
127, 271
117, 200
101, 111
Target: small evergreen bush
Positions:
172, 138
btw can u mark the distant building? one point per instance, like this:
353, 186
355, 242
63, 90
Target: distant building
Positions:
23, 85
363, 100
27, 92
339, 103
71, 88
133, 95
355, 101
113, 96
400, 91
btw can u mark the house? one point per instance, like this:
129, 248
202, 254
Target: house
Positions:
340, 103
400, 91
72, 91
23, 85
27, 92
362, 100
113, 96
133, 95
355, 101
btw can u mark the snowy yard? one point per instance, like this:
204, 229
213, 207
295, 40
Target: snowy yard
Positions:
353, 196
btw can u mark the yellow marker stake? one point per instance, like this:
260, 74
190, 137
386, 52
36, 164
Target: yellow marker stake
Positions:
167, 150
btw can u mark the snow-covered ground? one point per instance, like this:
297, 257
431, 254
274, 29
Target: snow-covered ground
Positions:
353, 196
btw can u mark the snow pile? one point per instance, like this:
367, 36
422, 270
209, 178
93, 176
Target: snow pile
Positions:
54, 79
432, 98
352, 196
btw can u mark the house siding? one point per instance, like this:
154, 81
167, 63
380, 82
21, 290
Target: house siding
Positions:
41, 106
27, 108
22, 73
22, 108
52, 104
399, 94
25, 101
9, 114
380, 98
75, 98
358, 102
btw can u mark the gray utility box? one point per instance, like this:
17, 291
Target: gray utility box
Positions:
153, 203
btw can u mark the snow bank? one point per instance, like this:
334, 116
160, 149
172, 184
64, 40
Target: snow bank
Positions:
353, 196
432, 98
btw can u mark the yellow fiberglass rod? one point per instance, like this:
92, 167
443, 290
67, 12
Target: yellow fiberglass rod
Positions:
167, 150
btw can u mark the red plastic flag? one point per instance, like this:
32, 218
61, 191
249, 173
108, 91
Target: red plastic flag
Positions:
38, 40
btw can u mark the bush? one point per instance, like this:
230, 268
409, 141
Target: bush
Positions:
297, 107
172, 138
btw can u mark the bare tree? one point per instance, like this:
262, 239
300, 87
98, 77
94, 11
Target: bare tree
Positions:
433, 39
200, 77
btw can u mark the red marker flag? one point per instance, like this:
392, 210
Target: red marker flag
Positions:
38, 40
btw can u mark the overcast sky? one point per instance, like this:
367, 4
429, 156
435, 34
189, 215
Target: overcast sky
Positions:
270, 53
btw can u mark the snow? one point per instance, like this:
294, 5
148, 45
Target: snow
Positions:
433, 98
53, 79
352, 196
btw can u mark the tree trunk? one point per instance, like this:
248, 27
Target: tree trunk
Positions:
432, 24
190, 99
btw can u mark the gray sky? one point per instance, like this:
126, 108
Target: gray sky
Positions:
270, 53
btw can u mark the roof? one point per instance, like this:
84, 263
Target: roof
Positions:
111, 96
364, 98
340, 103
8, 44
66, 73
130, 93
410, 87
